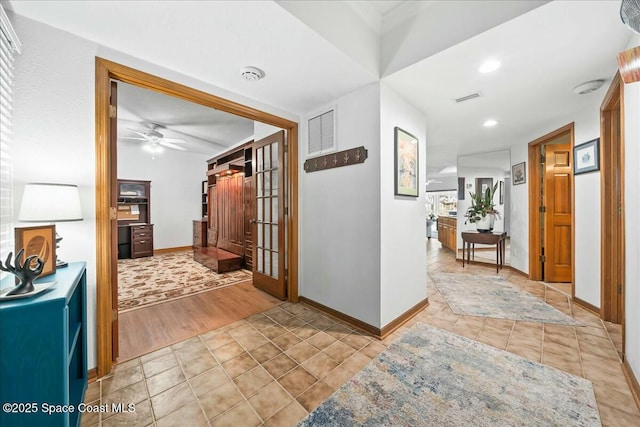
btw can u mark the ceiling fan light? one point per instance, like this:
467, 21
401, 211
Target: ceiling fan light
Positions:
153, 148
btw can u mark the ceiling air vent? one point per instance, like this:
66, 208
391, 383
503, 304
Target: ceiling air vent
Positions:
468, 97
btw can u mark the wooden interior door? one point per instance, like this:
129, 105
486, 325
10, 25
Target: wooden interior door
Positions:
113, 189
612, 191
557, 216
269, 255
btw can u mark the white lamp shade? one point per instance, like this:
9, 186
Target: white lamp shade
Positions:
50, 203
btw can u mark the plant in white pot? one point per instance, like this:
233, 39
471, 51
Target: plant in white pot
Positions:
482, 211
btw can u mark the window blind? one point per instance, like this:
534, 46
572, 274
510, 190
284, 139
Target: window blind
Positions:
9, 46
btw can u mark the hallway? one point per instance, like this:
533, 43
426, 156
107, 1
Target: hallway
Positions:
276, 366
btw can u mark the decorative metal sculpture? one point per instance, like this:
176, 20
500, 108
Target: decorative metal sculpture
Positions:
24, 272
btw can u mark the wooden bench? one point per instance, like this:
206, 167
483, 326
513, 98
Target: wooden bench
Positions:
217, 259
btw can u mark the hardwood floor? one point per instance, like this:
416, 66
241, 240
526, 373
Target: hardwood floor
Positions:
148, 329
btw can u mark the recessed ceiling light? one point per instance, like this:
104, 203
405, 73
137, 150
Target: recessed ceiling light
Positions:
251, 73
588, 87
490, 123
489, 66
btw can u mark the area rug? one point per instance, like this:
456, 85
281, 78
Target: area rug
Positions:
143, 282
494, 296
431, 377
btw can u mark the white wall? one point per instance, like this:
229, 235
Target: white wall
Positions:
263, 130
632, 231
176, 184
519, 216
470, 174
340, 215
403, 269
587, 205
54, 128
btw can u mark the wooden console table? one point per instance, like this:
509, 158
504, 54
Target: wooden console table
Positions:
470, 238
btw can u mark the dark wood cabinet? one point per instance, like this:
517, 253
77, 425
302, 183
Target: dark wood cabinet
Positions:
135, 231
200, 233
230, 205
141, 240
205, 199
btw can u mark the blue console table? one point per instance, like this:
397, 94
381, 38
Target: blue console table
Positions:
43, 352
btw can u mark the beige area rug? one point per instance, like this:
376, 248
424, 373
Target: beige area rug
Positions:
143, 282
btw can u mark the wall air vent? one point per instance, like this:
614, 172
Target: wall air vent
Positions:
322, 133
468, 97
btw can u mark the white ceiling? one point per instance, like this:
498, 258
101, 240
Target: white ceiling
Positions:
205, 130
544, 53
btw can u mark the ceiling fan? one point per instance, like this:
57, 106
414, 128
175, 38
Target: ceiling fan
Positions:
154, 139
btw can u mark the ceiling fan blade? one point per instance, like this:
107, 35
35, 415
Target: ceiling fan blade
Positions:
132, 137
175, 140
170, 145
139, 133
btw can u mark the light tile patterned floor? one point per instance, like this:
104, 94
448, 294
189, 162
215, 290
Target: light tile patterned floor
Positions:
273, 368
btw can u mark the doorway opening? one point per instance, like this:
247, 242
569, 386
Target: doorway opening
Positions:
551, 208
106, 174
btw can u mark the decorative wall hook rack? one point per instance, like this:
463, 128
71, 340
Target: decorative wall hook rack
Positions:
349, 157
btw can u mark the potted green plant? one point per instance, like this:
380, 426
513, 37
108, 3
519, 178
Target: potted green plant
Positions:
482, 211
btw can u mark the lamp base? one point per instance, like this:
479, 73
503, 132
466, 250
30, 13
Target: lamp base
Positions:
61, 264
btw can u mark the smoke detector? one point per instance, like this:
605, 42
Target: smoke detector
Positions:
588, 87
251, 73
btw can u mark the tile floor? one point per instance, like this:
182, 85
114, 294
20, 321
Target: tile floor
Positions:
274, 367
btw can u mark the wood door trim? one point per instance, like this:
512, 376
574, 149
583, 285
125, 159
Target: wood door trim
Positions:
535, 247
613, 101
107, 70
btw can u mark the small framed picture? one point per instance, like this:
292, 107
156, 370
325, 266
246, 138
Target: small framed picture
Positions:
406, 168
586, 157
40, 241
519, 173
502, 192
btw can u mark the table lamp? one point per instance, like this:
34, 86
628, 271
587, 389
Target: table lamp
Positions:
51, 203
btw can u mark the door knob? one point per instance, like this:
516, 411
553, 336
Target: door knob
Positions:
253, 221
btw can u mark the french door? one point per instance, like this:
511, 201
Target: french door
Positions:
269, 255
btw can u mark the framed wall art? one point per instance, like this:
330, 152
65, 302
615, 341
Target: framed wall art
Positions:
502, 192
519, 173
406, 163
586, 157
40, 241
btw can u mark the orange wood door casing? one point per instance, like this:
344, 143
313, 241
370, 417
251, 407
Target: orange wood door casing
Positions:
113, 153
557, 217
